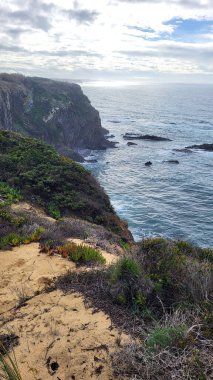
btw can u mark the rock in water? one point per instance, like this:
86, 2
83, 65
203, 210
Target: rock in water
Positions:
207, 147
148, 163
131, 143
56, 112
183, 150
172, 161
136, 136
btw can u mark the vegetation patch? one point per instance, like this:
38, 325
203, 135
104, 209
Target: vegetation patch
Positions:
81, 254
8, 194
56, 183
164, 337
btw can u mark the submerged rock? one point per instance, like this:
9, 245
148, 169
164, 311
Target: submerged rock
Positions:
131, 143
114, 121
172, 161
110, 136
136, 136
91, 161
207, 147
183, 150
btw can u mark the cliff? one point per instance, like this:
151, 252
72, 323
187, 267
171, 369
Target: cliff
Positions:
56, 112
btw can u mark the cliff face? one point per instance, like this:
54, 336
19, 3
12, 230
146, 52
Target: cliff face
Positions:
56, 112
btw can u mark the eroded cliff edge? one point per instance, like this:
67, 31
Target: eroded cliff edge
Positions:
56, 112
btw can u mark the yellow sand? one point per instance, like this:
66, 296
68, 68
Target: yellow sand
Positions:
53, 327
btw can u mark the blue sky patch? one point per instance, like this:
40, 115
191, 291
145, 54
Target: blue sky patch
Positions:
190, 30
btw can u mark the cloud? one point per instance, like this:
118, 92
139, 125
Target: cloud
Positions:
183, 3
81, 15
107, 36
173, 50
35, 14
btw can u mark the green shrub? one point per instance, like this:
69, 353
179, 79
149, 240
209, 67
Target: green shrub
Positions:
83, 254
14, 220
128, 284
163, 260
9, 193
164, 337
125, 268
199, 253
54, 211
14, 239
124, 245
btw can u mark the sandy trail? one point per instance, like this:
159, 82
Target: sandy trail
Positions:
59, 336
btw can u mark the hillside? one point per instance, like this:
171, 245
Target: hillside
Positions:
58, 184
79, 298
56, 112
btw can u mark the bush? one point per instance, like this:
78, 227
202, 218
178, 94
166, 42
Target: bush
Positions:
163, 260
181, 273
9, 193
164, 337
14, 239
54, 211
125, 269
83, 254
128, 284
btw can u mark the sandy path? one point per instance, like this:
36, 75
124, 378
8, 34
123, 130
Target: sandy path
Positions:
54, 329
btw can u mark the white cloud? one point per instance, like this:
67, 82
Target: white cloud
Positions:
64, 38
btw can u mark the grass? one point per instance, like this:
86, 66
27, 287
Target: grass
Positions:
164, 337
9, 194
14, 239
83, 254
9, 368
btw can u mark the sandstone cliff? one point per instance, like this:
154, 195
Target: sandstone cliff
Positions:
56, 112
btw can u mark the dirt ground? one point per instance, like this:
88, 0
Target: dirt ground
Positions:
60, 337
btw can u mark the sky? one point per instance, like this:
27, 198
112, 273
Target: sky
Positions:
108, 40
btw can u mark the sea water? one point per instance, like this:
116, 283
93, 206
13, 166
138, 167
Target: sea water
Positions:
164, 199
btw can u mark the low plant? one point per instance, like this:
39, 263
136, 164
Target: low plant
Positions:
9, 193
83, 253
125, 269
14, 239
54, 211
9, 368
124, 245
164, 337
128, 285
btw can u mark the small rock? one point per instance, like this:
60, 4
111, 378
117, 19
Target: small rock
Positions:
172, 161
91, 161
148, 163
136, 136
184, 150
131, 143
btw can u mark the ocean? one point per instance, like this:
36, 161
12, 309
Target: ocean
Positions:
164, 199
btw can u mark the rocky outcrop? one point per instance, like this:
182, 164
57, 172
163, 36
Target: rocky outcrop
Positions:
207, 147
136, 136
56, 112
